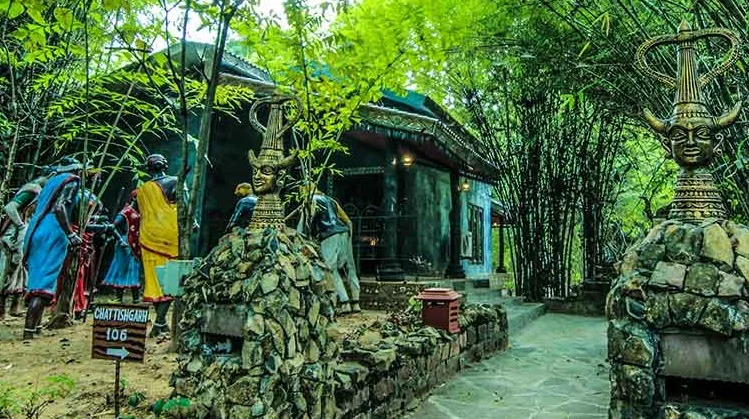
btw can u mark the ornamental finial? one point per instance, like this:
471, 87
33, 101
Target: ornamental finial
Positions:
691, 134
269, 164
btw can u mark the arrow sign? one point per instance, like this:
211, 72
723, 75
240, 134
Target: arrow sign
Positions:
121, 353
117, 326
119, 332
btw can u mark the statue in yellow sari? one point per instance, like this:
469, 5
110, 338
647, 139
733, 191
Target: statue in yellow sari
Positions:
159, 234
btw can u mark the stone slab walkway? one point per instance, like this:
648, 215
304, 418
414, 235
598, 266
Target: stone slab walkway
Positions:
555, 369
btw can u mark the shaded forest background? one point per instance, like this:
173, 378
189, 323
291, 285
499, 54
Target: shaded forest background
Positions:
549, 86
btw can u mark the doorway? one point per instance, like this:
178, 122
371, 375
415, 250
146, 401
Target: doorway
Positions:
361, 199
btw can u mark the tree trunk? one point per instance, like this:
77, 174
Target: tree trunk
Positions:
4, 187
204, 138
187, 216
184, 225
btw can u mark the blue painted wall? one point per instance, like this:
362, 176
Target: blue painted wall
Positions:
480, 194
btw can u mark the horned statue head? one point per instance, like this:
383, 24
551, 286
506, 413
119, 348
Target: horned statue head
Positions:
691, 135
270, 163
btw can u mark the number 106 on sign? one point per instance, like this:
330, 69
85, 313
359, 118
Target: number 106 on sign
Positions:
119, 332
116, 335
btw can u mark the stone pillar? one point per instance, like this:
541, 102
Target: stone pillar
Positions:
454, 269
391, 269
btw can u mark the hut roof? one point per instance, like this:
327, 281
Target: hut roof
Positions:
413, 117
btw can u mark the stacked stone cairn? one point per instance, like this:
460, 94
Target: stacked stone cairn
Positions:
682, 275
279, 286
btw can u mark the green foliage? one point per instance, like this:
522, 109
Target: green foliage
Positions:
135, 399
8, 401
176, 403
158, 407
338, 64
84, 80
32, 402
414, 305
179, 407
54, 49
408, 317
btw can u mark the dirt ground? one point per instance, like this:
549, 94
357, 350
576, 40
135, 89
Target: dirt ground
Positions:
26, 366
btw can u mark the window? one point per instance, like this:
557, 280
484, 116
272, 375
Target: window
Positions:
476, 227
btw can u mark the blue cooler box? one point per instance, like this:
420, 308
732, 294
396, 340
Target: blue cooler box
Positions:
170, 276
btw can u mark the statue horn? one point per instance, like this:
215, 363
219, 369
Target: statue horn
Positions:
288, 160
657, 124
729, 117
251, 157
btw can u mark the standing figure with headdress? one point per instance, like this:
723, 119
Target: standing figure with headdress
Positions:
50, 236
124, 271
12, 271
331, 227
156, 201
245, 207
86, 274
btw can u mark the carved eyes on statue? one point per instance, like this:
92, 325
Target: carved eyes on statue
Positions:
678, 135
267, 170
703, 134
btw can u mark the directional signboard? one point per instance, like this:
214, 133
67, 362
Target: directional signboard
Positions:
119, 332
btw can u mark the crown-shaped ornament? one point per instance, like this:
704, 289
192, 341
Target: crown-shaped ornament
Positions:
691, 135
269, 164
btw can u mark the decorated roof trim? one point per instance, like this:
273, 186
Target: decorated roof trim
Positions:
443, 135
416, 127
446, 132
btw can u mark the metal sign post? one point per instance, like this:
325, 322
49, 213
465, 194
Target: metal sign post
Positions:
119, 334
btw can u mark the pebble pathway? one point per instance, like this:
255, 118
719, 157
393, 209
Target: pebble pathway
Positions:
555, 369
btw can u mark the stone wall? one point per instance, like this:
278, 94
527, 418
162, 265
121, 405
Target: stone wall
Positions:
387, 374
683, 283
389, 296
576, 305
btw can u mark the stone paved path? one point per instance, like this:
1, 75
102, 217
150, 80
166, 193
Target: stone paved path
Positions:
555, 369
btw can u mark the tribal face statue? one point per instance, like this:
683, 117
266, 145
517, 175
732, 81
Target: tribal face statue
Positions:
691, 134
264, 179
692, 141
266, 170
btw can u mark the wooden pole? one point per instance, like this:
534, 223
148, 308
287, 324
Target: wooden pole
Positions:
178, 309
117, 389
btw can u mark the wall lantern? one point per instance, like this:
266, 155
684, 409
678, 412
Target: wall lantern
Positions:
440, 308
465, 186
407, 160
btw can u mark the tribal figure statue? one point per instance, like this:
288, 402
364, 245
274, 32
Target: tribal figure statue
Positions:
52, 236
158, 234
125, 269
244, 208
269, 165
691, 135
17, 211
